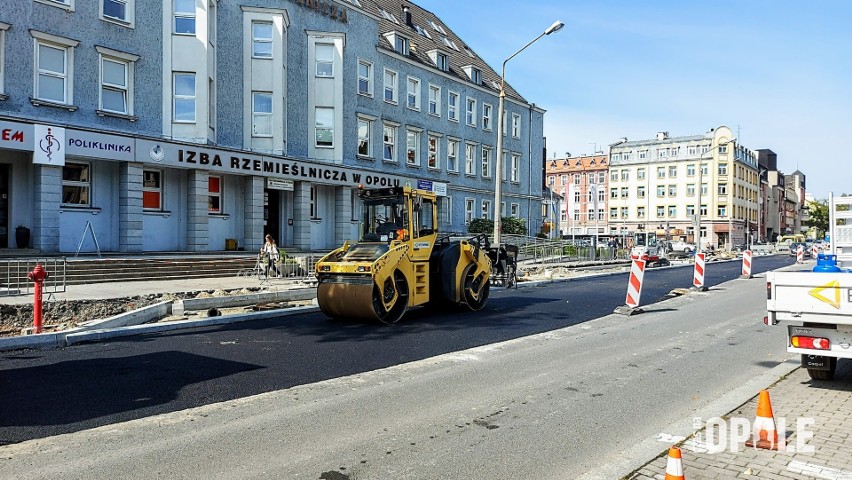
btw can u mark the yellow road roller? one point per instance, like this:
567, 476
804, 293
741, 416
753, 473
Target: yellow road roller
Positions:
401, 262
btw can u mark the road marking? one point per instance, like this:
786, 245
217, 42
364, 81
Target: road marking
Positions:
818, 471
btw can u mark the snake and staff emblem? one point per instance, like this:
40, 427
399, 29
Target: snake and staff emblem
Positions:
49, 145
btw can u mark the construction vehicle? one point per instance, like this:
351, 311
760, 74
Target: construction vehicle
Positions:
818, 303
401, 262
646, 247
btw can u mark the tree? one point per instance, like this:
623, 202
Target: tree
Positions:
511, 226
818, 213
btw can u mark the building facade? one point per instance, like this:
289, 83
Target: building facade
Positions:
183, 124
583, 184
663, 184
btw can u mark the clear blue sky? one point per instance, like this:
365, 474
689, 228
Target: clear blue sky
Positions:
777, 71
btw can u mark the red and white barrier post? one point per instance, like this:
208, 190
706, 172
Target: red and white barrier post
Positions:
634, 288
815, 250
746, 264
698, 273
800, 254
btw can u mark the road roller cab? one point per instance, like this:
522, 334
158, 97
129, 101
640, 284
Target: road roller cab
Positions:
399, 262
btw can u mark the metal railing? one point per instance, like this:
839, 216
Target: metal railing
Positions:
14, 281
548, 250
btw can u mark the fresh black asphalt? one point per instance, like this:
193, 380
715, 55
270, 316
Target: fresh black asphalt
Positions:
46, 393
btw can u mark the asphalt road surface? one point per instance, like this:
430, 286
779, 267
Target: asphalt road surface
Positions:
612, 361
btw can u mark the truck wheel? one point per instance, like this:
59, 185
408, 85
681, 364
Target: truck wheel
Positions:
824, 374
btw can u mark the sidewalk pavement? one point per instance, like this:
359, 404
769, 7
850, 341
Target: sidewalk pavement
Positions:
826, 405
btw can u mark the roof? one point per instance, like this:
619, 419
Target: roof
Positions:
427, 38
667, 140
577, 164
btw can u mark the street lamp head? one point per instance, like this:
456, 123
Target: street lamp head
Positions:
733, 140
557, 25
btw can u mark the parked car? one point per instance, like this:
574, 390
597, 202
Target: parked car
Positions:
679, 246
795, 246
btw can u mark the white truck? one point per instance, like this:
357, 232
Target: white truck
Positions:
817, 305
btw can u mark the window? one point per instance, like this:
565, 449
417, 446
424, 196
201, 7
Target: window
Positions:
184, 97
184, 17
601, 177
324, 119
324, 56
661, 211
453, 106
516, 125
442, 61
261, 37
401, 45
692, 150
53, 76
640, 191
672, 211
661, 172
486, 209
590, 213
690, 170
475, 75
625, 156
722, 211
625, 175
452, 155
390, 86
576, 178
704, 169
446, 209
723, 189
690, 190
690, 210
661, 190
76, 184
59, 3
616, 157
592, 178
723, 169
613, 193
413, 93
674, 151
434, 100
640, 212
613, 176
515, 167
468, 210
643, 154
389, 138
152, 190
515, 209
3, 28
470, 116
313, 202
412, 148
115, 85
623, 212
672, 171
672, 190
261, 114
118, 10
723, 149
433, 158
469, 159
577, 195
486, 162
703, 210
214, 192
365, 146
486, 116
613, 212
625, 192
662, 152
365, 78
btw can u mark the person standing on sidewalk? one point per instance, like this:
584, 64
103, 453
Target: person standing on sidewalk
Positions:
269, 250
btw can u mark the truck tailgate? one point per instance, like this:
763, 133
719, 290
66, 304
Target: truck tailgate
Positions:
810, 297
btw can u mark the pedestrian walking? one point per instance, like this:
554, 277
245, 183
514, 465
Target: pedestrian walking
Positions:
269, 251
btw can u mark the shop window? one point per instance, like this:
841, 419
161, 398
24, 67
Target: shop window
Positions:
76, 184
152, 190
214, 192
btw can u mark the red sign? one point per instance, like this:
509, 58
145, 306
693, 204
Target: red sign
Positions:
9, 135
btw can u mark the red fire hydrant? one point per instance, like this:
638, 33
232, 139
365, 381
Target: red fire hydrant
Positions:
37, 276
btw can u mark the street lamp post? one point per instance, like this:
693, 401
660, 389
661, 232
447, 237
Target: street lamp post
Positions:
498, 171
698, 206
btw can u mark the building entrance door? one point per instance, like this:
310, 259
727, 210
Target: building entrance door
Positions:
4, 206
272, 214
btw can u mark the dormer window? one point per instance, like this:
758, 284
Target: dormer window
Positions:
422, 31
441, 60
401, 44
437, 27
389, 16
474, 74
450, 44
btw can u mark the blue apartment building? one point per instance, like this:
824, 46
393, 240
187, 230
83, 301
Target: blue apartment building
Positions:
175, 125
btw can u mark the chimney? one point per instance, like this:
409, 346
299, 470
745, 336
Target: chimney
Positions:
662, 135
622, 140
407, 12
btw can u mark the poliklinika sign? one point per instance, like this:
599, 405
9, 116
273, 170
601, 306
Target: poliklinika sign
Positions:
182, 156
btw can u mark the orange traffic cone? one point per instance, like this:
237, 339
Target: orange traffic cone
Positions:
674, 466
764, 434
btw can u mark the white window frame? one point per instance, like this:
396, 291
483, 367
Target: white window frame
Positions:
129, 10
184, 15
391, 87
402, 45
412, 147
322, 64
362, 139
453, 155
442, 61
389, 135
486, 116
185, 97
329, 128
3, 28
365, 80
434, 100
258, 40
259, 118
67, 47
433, 155
515, 210
486, 161
470, 159
469, 204
63, 4
470, 111
453, 106
82, 184
486, 209
515, 168
412, 93
122, 89
158, 189
516, 125
129, 60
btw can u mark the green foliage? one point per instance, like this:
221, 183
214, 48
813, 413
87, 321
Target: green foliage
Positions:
511, 226
481, 225
818, 212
